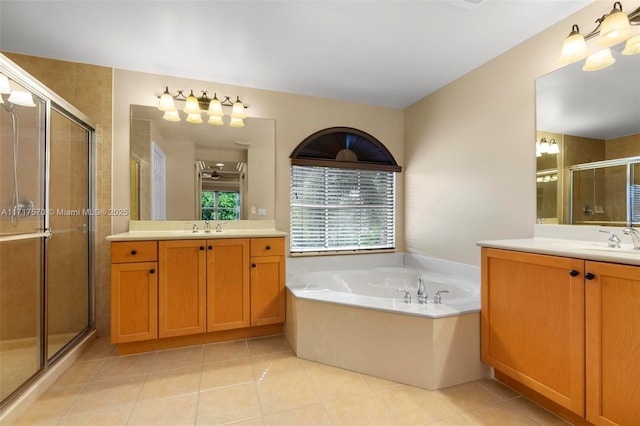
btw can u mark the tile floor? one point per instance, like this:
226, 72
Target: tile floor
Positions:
259, 382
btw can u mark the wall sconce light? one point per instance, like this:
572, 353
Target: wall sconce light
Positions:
16, 97
546, 147
194, 106
612, 29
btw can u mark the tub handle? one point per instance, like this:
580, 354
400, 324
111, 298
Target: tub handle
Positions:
407, 295
437, 299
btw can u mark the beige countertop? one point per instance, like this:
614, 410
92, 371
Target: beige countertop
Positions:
182, 230
588, 250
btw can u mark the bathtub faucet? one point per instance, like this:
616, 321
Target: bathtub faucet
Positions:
437, 299
407, 295
422, 292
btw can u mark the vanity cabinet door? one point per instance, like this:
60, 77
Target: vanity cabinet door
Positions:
533, 322
134, 302
267, 281
182, 287
613, 344
228, 299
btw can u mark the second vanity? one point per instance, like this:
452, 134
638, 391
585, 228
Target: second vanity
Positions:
173, 286
561, 324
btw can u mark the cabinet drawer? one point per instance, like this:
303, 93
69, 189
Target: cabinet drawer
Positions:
134, 251
267, 246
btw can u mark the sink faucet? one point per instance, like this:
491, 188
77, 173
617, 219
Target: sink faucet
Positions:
207, 228
635, 236
219, 227
437, 299
407, 295
613, 241
194, 228
422, 292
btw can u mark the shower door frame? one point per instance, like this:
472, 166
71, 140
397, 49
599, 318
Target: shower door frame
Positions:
53, 101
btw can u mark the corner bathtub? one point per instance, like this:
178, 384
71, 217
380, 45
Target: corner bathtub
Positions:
357, 320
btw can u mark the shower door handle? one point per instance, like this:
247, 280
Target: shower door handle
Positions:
49, 233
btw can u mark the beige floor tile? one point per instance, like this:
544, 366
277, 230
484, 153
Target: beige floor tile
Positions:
335, 383
536, 412
171, 411
225, 350
265, 345
178, 358
108, 417
498, 414
118, 393
469, 396
364, 410
258, 421
504, 392
226, 373
275, 364
81, 372
125, 366
226, 405
51, 405
452, 421
376, 383
312, 415
99, 349
415, 406
169, 383
286, 392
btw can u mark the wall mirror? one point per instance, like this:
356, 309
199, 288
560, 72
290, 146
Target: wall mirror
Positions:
588, 144
186, 171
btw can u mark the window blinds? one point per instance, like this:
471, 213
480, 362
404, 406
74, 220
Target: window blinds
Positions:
337, 209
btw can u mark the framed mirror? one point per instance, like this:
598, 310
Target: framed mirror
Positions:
186, 171
588, 144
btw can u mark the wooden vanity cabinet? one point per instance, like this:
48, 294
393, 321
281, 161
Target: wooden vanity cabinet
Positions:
228, 289
267, 281
533, 322
613, 344
182, 287
566, 328
134, 291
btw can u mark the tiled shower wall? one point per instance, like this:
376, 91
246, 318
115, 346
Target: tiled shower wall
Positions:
89, 88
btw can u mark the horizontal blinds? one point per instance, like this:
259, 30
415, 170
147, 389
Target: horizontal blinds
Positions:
335, 209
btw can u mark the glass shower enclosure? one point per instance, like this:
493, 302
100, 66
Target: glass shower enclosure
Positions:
46, 228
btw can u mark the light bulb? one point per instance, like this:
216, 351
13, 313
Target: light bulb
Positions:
599, 60
171, 115
574, 48
633, 46
238, 110
215, 107
615, 27
195, 118
236, 122
192, 106
215, 120
22, 98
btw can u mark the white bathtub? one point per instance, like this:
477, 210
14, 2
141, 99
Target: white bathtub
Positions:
346, 312
377, 288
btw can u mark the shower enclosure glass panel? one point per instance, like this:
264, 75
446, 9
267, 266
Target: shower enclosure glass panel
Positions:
68, 249
22, 218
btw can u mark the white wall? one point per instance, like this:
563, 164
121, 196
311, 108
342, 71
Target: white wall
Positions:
470, 149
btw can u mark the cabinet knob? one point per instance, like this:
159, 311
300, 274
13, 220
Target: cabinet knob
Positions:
133, 252
210, 247
253, 265
152, 271
574, 273
589, 276
268, 247
201, 247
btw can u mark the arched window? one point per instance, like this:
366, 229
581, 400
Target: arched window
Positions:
342, 193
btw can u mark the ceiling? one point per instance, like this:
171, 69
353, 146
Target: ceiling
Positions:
387, 53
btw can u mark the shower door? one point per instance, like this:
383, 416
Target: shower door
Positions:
22, 223
68, 248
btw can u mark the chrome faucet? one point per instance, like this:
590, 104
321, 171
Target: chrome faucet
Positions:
422, 292
613, 241
437, 299
219, 227
407, 295
635, 236
194, 228
207, 227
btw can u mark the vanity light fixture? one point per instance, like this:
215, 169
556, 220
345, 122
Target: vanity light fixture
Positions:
553, 147
612, 29
546, 147
194, 106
